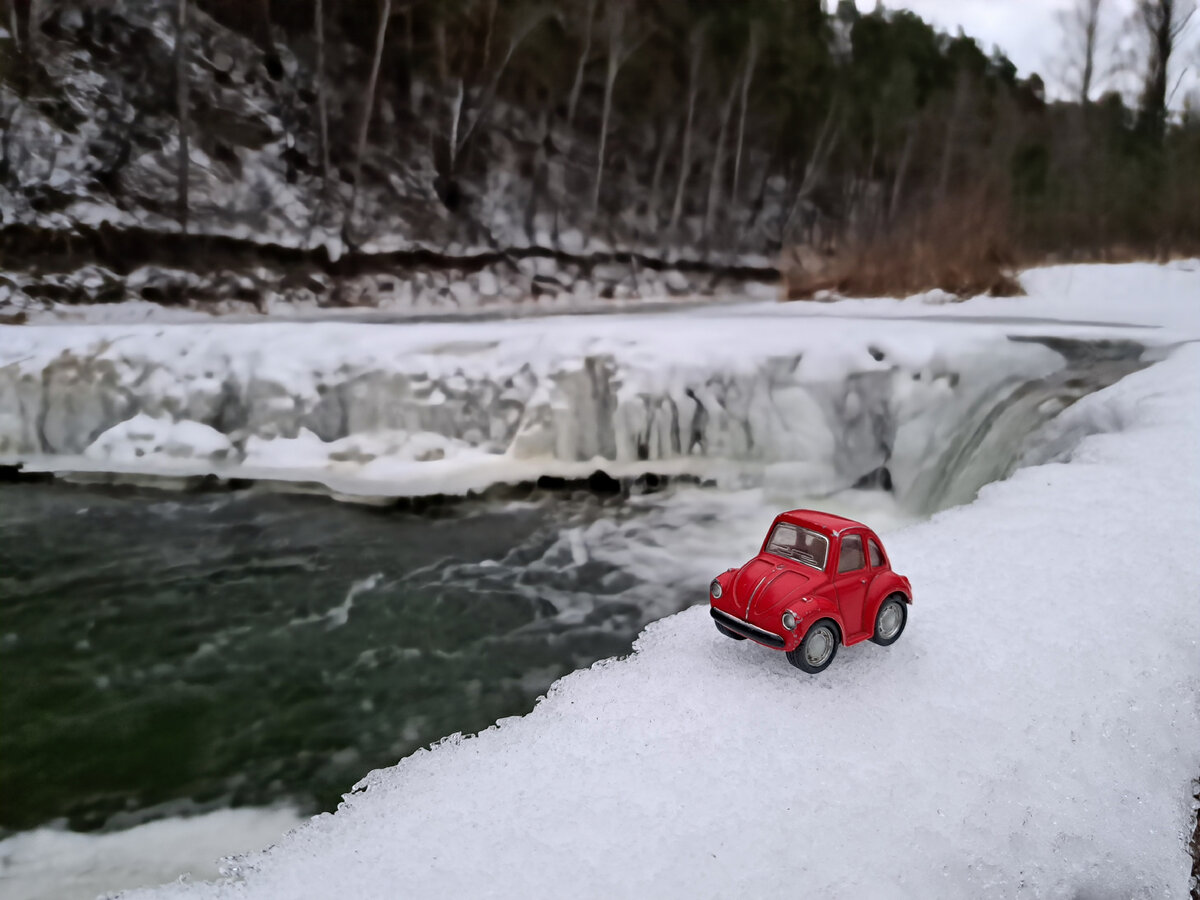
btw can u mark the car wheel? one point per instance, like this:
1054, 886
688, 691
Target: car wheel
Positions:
890, 621
818, 648
729, 634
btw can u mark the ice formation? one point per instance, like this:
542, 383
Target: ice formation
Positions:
736, 394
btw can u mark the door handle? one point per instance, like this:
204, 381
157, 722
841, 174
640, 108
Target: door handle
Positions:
862, 581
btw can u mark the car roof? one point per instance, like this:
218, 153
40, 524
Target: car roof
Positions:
820, 521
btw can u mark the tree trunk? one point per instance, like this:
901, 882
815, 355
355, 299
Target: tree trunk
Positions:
751, 59
439, 40
609, 80
27, 29
902, 172
537, 180
385, 10
715, 176
14, 26
813, 169
489, 95
685, 157
665, 142
410, 59
577, 85
181, 102
1163, 21
950, 146
1091, 23
487, 35
455, 118
322, 115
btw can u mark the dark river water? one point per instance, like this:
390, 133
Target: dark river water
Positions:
164, 653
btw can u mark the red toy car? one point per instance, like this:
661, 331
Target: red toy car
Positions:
820, 580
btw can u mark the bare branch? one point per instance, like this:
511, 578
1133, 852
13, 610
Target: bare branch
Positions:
685, 161
385, 11
751, 59
577, 85
181, 101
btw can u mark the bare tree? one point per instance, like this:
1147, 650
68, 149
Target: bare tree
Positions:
718, 166
29, 33
521, 31
14, 25
696, 43
385, 12
954, 122
619, 51
751, 60
814, 169
1162, 23
322, 114
181, 102
666, 140
439, 40
1081, 30
577, 84
906, 153
410, 54
487, 34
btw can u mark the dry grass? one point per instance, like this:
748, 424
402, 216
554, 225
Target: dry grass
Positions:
961, 245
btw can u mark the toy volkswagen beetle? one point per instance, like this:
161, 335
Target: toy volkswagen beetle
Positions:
819, 580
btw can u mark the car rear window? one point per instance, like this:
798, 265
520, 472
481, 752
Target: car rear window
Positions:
876, 553
799, 544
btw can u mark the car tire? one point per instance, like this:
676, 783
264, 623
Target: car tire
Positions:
817, 649
890, 621
729, 634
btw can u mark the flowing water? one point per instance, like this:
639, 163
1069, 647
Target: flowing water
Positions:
166, 653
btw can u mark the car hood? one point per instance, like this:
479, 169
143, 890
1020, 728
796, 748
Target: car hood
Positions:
767, 583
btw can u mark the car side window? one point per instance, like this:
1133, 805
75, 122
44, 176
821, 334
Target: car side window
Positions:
852, 554
876, 553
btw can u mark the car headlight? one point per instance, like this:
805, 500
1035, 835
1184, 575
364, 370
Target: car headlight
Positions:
715, 589
789, 620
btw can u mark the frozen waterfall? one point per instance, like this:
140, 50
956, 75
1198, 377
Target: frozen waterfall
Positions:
813, 405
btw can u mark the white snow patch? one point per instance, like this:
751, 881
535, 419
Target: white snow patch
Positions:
146, 438
48, 864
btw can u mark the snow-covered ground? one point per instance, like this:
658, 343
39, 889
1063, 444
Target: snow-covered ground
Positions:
1035, 732
50, 863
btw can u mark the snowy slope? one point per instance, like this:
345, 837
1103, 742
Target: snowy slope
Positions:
1034, 733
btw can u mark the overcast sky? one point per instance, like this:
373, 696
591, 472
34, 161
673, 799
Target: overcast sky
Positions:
1028, 31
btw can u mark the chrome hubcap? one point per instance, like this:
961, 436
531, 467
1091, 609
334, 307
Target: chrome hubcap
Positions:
889, 621
818, 646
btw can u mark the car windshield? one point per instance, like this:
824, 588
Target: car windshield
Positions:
799, 544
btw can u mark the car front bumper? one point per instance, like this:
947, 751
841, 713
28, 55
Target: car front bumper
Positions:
745, 629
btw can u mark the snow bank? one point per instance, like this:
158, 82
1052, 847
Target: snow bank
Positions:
791, 394
48, 864
1034, 733
144, 437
